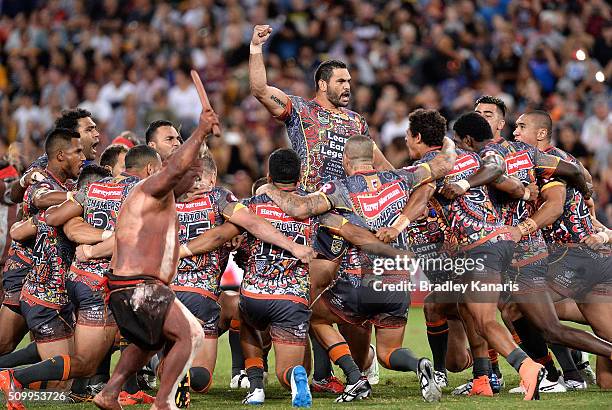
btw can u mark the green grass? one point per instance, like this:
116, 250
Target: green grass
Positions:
395, 391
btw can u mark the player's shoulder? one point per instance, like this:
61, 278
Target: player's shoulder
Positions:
40, 162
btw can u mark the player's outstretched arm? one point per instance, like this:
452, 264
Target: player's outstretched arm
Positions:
210, 240
297, 206
58, 215
160, 184
79, 231
359, 236
414, 208
272, 98
22, 230
553, 197
263, 230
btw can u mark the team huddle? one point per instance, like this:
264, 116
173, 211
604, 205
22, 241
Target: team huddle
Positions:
129, 254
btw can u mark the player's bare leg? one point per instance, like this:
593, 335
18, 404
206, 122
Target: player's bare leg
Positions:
597, 310
132, 359
13, 327
185, 333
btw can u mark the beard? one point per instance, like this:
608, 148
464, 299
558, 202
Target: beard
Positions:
334, 98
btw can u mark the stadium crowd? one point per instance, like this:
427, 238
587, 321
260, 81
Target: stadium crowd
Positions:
127, 62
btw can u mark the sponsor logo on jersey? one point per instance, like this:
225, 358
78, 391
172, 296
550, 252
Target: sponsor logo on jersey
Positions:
105, 192
373, 205
272, 213
517, 162
197, 205
464, 163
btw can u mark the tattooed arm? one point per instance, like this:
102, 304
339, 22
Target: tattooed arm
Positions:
272, 98
299, 207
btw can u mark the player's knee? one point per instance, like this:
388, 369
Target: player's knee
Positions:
459, 361
433, 311
82, 367
201, 379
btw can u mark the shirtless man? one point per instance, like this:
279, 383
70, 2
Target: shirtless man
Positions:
144, 262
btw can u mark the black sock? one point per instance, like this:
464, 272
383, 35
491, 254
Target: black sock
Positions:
322, 364
200, 379
564, 357
131, 384
516, 358
576, 356
79, 386
350, 369
481, 367
255, 375
403, 360
532, 341
494, 359
56, 368
437, 335
236, 349
21, 357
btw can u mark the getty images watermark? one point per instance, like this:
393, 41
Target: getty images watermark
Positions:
453, 268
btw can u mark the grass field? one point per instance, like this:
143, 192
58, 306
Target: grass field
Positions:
395, 391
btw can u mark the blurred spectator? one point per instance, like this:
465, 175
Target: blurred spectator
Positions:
534, 54
595, 128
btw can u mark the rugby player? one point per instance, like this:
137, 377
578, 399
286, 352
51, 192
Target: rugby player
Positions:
529, 268
113, 158
317, 130
162, 136
480, 235
372, 199
575, 270
44, 301
494, 110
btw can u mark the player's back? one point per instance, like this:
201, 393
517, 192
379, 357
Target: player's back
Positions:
270, 269
146, 236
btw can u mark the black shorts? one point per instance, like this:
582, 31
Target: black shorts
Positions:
578, 271
288, 320
205, 309
329, 246
89, 304
14, 273
140, 305
372, 301
494, 256
529, 278
47, 324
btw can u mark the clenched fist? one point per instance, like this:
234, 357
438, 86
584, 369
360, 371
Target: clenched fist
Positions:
261, 33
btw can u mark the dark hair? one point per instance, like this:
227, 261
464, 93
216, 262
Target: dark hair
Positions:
489, 99
59, 138
284, 166
139, 156
208, 162
430, 124
543, 120
91, 173
111, 154
257, 184
69, 119
154, 126
325, 71
474, 125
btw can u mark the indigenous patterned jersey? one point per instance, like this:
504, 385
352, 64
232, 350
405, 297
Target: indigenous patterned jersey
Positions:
372, 200
272, 271
472, 218
528, 164
51, 257
575, 223
101, 202
318, 136
202, 273
23, 250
